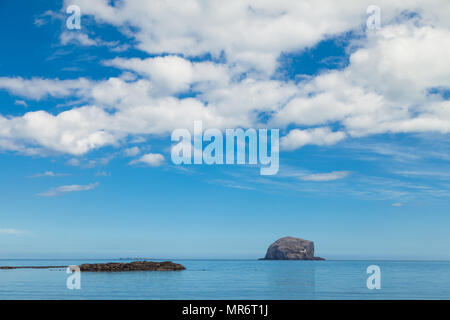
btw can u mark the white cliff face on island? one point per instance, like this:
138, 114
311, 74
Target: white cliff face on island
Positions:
289, 248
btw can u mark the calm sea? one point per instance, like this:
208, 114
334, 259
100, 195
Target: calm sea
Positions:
233, 279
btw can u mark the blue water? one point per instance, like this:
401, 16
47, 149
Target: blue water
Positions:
233, 279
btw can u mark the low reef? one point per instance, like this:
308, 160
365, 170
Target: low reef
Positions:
114, 266
132, 266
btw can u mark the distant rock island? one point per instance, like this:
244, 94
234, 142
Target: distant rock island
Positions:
289, 248
115, 266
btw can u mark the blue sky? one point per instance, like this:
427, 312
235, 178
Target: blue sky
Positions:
364, 164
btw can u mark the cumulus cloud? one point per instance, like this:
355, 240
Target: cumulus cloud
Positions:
37, 88
150, 159
318, 136
172, 73
251, 34
385, 88
75, 131
69, 188
331, 176
401, 61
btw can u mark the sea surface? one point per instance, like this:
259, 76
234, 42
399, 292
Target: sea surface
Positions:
232, 279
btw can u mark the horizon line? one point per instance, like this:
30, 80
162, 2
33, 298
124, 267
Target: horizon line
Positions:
230, 259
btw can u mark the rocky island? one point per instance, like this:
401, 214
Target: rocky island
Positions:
289, 248
132, 266
115, 266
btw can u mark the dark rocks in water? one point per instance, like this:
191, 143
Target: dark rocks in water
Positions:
289, 248
115, 266
132, 266
31, 267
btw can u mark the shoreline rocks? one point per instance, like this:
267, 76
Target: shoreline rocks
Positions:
31, 267
114, 266
290, 248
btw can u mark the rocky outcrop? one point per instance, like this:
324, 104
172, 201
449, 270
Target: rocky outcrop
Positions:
114, 266
289, 248
132, 266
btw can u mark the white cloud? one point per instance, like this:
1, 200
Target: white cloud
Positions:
102, 174
69, 188
37, 88
48, 16
383, 89
40, 21
331, 176
251, 34
21, 103
397, 204
74, 162
80, 130
83, 39
318, 136
401, 61
12, 231
132, 152
240, 102
173, 74
75, 131
48, 174
150, 159
77, 37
